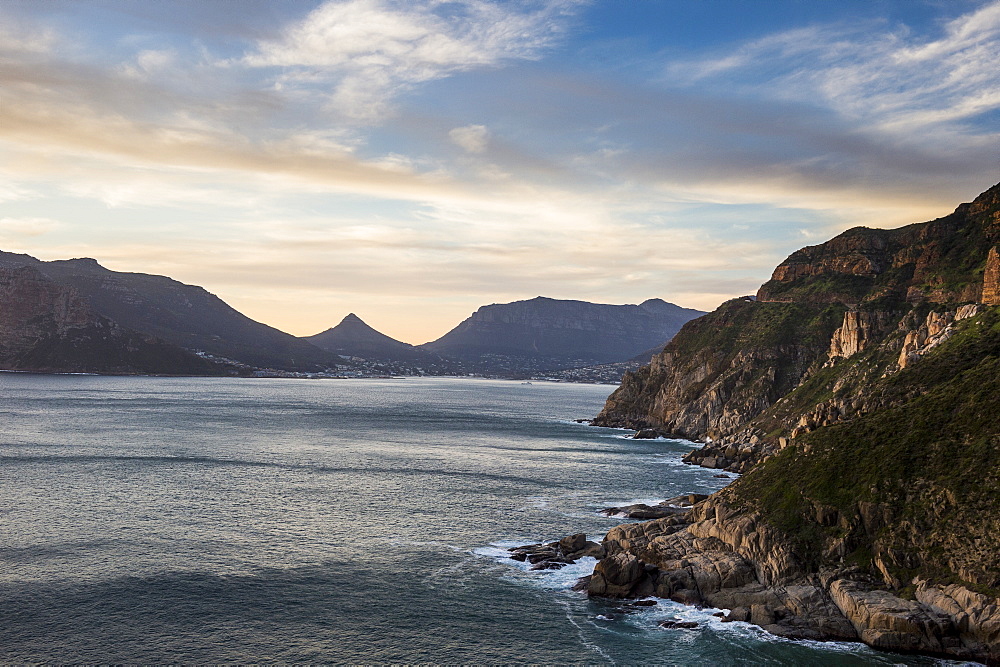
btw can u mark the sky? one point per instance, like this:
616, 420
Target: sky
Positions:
412, 161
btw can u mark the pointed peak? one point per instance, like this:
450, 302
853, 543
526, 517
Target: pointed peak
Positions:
354, 324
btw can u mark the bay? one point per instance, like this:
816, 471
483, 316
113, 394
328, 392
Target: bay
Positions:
330, 521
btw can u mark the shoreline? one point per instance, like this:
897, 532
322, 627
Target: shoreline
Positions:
710, 555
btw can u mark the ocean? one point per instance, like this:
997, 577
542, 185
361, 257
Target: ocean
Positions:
157, 520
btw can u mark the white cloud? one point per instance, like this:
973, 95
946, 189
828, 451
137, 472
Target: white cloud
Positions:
889, 80
149, 62
22, 38
363, 52
472, 138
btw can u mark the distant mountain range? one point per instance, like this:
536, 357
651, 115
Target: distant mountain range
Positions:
545, 333
76, 315
520, 338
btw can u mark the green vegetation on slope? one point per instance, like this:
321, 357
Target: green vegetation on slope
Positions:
740, 324
929, 463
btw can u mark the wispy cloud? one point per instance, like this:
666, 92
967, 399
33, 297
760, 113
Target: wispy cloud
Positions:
473, 138
889, 78
365, 52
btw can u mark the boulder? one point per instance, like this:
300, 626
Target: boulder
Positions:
616, 576
739, 614
888, 622
572, 543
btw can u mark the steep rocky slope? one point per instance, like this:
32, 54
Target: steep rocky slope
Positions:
859, 393
185, 315
45, 326
551, 333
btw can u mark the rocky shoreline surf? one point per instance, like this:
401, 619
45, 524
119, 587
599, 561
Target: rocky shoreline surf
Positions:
694, 550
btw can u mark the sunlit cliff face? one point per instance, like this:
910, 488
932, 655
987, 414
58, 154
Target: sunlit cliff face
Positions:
413, 161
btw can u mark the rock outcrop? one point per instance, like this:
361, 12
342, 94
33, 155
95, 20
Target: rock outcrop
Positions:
722, 558
556, 555
991, 279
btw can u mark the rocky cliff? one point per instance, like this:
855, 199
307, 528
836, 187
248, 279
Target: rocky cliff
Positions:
45, 326
858, 393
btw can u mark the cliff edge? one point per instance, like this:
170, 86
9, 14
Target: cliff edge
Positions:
858, 393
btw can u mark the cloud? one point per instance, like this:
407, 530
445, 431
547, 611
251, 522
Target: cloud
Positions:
150, 62
365, 52
20, 37
888, 79
472, 138
140, 143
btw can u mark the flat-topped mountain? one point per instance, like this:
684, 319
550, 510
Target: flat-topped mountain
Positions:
554, 333
46, 326
858, 393
185, 315
354, 338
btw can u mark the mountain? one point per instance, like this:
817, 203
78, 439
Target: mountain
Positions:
858, 394
353, 338
544, 333
49, 327
185, 315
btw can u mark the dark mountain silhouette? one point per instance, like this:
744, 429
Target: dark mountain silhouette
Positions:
49, 327
185, 315
352, 337
554, 333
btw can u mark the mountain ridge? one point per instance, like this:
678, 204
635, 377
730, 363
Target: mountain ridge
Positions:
49, 327
185, 315
857, 395
548, 332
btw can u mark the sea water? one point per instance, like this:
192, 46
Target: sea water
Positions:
260, 520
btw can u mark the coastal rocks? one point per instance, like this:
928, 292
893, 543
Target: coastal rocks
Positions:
733, 457
885, 621
662, 509
675, 563
715, 556
975, 616
620, 576
556, 555
646, 434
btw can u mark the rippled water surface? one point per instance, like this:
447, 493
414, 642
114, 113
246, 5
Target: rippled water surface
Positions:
219, 520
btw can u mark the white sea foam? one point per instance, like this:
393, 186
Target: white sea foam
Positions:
554, 580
